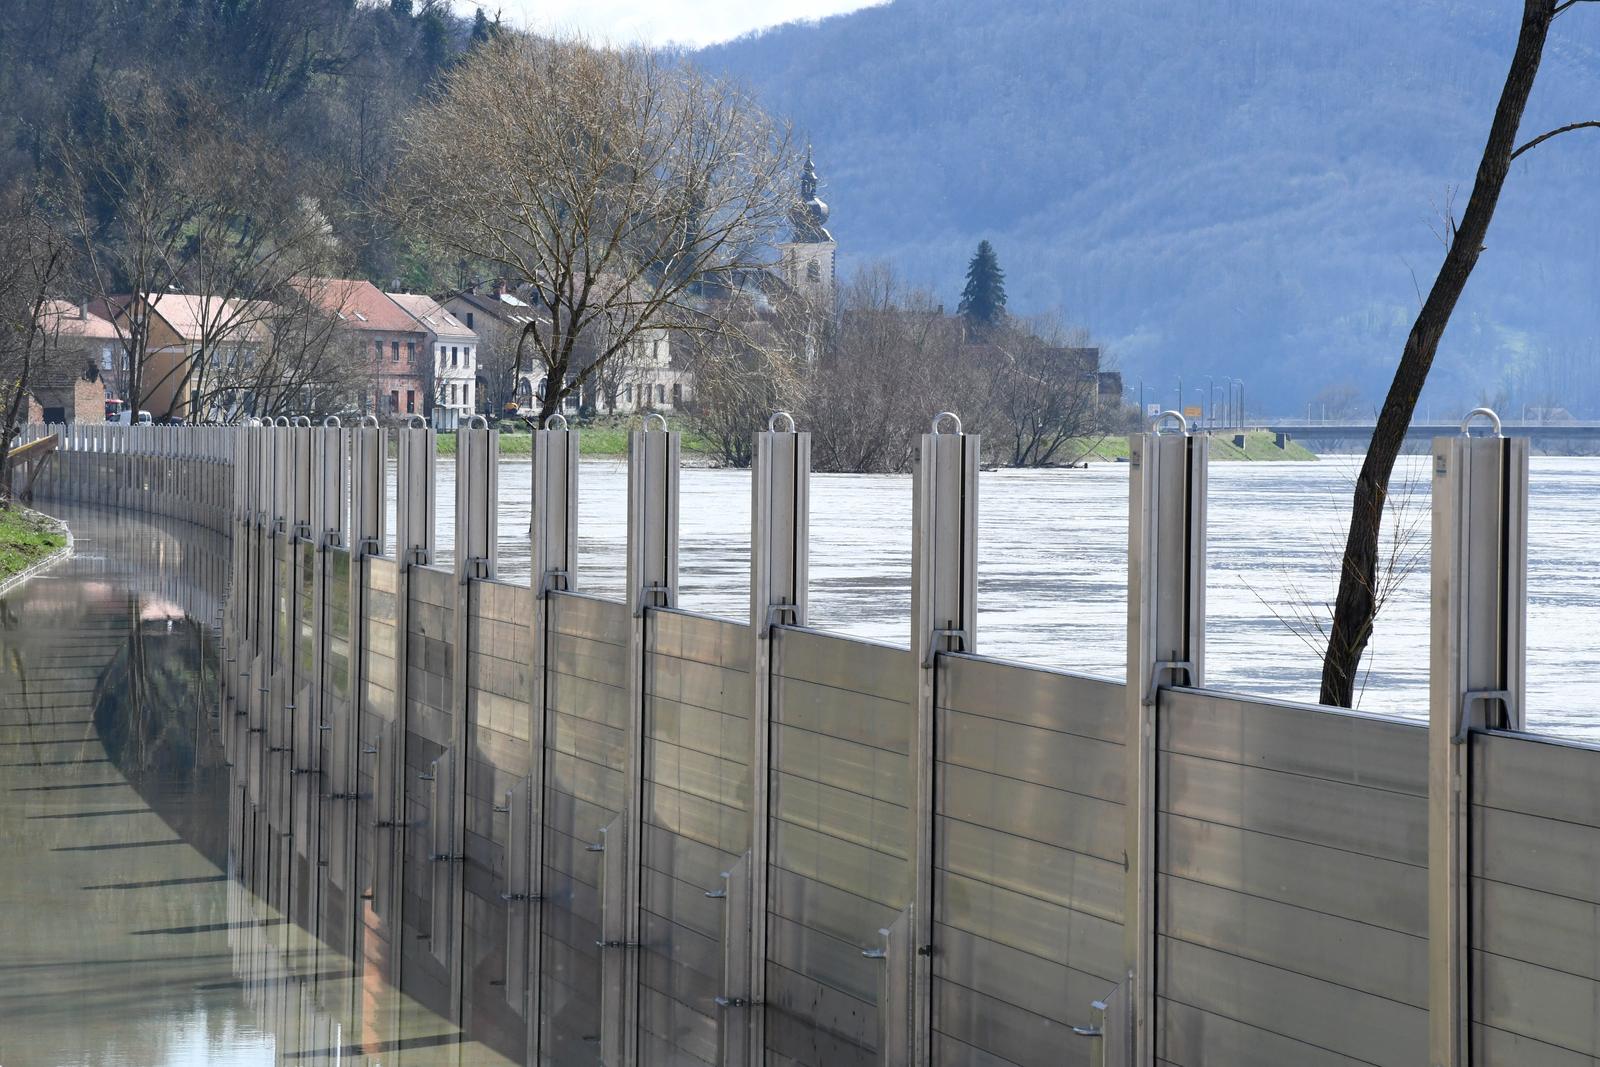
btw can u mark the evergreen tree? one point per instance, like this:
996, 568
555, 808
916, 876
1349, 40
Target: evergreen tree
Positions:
983, 301
482, 28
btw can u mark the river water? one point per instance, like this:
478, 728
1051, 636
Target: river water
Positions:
1052, 568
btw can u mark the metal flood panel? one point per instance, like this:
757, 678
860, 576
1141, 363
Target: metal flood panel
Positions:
698, 700
585, 785
1029, 825
430, 622
840, 824
1535, 901
1292, 889
494, 928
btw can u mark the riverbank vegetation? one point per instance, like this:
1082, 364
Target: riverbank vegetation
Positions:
26, 537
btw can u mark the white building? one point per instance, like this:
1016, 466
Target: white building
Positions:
454, 348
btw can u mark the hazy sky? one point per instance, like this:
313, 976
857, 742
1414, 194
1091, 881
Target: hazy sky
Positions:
693, 22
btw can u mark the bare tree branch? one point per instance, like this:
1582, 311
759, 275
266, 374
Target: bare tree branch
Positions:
1543, 137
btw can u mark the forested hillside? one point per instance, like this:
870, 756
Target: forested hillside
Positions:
1225, 187
318, 82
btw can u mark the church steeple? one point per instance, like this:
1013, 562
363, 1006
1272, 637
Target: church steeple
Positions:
810, 215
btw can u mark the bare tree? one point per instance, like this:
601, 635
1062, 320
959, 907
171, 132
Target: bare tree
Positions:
1356, 605
130, 200
497, 363
614, 184
1044, 390
894, 360
34, 256
298, 360
743, 373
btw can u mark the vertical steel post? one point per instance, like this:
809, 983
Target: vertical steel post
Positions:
415, 495
476, 559
652, 583
416, 489
1166, 646
553, 548
944, 618
780, 511
367, 533
329, 511
1478, 651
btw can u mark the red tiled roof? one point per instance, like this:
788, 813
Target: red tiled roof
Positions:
362, 305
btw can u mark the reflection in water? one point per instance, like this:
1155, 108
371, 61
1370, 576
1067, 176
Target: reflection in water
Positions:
128, 944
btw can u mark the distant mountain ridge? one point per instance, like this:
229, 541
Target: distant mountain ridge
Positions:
1225, 187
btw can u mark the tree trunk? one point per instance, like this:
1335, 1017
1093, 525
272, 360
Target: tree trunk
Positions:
1356, 606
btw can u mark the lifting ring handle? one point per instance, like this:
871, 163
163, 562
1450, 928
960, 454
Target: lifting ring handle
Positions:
332, 422
416, 422
477, 422
943, 415
1183, 422
656, 415
550, 421
772, 423
1487, 413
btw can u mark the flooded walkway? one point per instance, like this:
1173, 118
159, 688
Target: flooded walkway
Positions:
128, 942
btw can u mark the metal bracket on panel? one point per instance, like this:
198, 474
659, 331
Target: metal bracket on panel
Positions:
391, 824
369, 546
477, 567
519, 898
1160, 667
1471, 697
445, 857
775, 615
547, 584
955, 634
730, 1002
654, 589
341, 796
304, 770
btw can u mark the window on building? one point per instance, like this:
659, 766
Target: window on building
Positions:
452, 394
661, 394
813, 272
411, 402
677, 394
455, 358
467, 352
468, 390
655, 349
394, 400
377, 349
105, 358
411, 353
394, 351
469, 320
627, 394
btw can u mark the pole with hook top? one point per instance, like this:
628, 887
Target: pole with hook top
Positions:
944, 620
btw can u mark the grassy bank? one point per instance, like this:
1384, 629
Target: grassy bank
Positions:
25, 538
595, 439
1259, 447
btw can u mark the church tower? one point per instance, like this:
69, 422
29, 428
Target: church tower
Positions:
808, 256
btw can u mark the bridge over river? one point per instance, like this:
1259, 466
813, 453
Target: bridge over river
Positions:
1358, 432
410, 813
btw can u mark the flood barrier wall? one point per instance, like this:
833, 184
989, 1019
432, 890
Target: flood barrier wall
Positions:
594, 831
